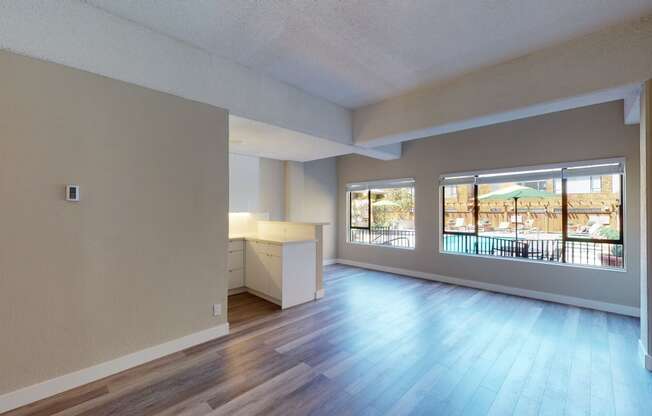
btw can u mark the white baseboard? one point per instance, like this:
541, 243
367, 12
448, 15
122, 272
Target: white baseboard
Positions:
328, 262
320, 293
237, 290
646, 359
69, 381
264, 296
552, 297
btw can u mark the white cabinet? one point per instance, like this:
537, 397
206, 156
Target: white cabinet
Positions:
236, 279
274, 265
235, 263
281, 272
236, 259
255, 271
236, 244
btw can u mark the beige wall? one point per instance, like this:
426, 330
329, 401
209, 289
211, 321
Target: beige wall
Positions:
586, 133
646, 213
141, 259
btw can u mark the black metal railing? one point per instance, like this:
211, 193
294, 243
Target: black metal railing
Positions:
589, 253
383, 236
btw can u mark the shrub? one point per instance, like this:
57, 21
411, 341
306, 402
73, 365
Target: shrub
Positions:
609, 233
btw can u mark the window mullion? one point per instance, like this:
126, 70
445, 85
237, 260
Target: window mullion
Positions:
369, 214
564, 215
621, 213
476, 216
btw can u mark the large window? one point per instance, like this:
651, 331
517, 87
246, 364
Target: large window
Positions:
566, 214
382, 213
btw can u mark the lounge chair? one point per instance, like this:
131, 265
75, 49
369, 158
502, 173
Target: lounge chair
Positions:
593, 230
503, 226
529, 227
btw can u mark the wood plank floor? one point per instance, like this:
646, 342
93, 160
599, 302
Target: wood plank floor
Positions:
385, 344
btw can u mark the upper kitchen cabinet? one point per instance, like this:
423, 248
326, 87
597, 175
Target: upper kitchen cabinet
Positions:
244, 183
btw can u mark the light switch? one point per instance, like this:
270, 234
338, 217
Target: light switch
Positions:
72, 193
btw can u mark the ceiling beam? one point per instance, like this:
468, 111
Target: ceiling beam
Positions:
76, 34
599, 67
602, 66
633, 107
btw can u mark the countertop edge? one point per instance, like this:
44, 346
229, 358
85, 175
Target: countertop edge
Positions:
273, 241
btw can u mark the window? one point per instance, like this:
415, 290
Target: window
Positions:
538, 185
566, 214
596, 183
360, 209
382, 213
585, 185
451, 191
459, 214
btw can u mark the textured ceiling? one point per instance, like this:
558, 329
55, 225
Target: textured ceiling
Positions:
355, 53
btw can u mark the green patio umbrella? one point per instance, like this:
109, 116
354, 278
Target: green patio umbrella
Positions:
516, 192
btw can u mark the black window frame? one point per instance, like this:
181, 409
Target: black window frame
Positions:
403, 235
564, 213
476, 212
357, 227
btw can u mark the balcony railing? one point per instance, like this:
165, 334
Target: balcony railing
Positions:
384, 236
588, 253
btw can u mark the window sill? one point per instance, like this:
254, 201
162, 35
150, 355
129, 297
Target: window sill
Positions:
381, 246
541, 262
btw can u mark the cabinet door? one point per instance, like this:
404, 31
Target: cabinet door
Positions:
275, 273
235, 260
236, 278
299, 273
255, 273
236, 245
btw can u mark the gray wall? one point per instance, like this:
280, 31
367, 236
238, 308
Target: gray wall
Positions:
272, 188
587, 133
320, 203
311, 196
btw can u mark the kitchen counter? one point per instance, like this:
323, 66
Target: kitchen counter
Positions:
293, 222
280, 270
270, 240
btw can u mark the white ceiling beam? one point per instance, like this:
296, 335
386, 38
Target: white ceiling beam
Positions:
596, 68
254, 138
81, 36
76, 34
633, 107
604, 65
386, 152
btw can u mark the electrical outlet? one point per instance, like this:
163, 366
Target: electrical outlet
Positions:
217, 309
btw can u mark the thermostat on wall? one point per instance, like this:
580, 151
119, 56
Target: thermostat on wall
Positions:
72, 193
